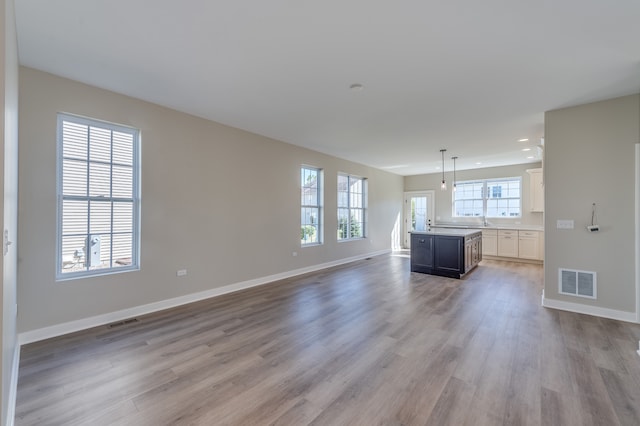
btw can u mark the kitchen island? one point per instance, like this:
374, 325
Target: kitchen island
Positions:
447, 252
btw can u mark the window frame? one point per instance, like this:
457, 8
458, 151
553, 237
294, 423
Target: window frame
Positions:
350, 208
486, 197
318, 204
61, 197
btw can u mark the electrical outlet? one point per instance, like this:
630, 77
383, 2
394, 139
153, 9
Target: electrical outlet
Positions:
181, 272
294, 254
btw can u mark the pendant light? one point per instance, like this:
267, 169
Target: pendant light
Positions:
443, 185
454, 172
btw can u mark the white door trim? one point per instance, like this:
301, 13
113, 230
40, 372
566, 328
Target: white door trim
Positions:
637, 233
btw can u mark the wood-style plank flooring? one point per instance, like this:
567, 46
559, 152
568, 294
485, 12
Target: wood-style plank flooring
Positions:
367, 343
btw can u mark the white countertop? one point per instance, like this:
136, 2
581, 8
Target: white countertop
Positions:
480, 227
455, 232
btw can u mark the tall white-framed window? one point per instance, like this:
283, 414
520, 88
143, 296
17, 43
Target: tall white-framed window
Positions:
352, 207
497, 198
311, 214
98, 197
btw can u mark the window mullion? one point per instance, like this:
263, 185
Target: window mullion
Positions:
485, 197
348, 206
87, 237
111, 198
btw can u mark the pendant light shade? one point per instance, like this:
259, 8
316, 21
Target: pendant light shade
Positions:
454, 172
443, 185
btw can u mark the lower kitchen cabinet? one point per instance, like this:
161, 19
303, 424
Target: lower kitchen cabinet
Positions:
507, 243
528, 245
449, 255
445, 255
422, 252
512, 243
473, 249
490, 242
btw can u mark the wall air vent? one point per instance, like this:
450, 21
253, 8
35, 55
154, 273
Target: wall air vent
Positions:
577, 283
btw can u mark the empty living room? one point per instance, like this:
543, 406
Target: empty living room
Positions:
352, 213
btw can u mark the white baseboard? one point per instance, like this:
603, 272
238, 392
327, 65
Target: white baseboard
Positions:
85, 323
513, 259
13, 387
589, 310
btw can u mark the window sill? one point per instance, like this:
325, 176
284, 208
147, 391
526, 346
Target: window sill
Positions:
345, 240
82, 275
310, 245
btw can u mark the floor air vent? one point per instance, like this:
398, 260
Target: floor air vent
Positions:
121, 323
577, 283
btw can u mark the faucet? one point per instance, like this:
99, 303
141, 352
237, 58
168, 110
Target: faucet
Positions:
484, 221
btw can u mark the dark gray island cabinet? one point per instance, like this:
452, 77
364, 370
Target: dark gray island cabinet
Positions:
446, 252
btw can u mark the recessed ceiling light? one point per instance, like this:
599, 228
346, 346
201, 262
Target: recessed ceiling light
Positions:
526, 149
478, 163
530, 157
523, 140
356, 87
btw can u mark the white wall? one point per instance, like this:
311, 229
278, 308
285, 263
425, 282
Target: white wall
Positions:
218, 201
443, 199
590, 159
9, 177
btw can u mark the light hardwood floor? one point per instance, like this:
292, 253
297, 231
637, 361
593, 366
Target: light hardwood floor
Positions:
367, 343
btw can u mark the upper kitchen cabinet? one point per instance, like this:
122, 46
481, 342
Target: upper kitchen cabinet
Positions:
536, 190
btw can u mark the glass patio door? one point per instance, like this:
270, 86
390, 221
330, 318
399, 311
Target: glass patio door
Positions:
419, 210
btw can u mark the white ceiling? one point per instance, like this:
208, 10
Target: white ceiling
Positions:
469, 76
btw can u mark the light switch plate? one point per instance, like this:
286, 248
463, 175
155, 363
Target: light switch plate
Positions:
564, 224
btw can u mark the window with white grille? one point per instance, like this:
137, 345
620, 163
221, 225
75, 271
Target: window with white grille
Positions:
488, 198
311, 205
98, 197
352, 207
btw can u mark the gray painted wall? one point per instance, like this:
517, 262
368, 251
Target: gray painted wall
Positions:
590, 159
218, 201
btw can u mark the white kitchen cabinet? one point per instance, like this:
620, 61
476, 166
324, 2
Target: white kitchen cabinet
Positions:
529, 245
490, 242
536, 190
513, 243
507, 243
